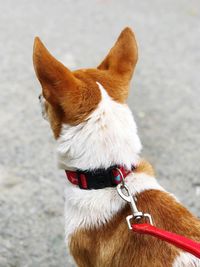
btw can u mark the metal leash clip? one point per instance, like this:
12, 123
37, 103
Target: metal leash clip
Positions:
137, 215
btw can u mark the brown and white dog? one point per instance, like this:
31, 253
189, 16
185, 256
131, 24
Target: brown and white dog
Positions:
95, 129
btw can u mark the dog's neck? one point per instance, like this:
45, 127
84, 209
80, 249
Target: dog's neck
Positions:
107, 137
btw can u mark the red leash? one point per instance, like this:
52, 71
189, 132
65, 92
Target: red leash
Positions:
179, 241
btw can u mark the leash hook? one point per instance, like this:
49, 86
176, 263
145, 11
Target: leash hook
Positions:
136, 214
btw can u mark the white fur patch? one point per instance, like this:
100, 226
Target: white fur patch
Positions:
89, 208
107, 137
139, 182
186, 260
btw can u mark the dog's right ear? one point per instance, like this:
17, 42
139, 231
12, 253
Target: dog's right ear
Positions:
55, 78
122, 58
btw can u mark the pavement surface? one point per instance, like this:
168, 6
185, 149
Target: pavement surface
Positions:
165, 99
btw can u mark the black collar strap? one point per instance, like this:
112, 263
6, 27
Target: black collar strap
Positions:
99, 178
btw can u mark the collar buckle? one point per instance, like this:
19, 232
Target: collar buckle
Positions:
99, 178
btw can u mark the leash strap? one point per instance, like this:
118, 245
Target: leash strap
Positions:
179, 241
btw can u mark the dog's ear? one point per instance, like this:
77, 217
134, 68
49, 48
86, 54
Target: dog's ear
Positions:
54, 77
122, 58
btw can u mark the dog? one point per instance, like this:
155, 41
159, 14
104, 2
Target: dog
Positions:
98, 146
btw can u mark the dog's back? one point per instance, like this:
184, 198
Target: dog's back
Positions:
95, 129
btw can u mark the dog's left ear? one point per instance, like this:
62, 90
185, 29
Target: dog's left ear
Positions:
57, 81
122, 58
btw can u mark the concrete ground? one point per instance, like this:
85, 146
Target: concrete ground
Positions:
165, 99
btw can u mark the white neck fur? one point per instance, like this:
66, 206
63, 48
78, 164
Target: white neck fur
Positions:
107, 137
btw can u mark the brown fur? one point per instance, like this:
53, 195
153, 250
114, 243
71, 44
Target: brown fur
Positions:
114, 245
70, 98
74, 95
145, 167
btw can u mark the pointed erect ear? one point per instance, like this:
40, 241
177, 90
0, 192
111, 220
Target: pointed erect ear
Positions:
54, 77
122, 58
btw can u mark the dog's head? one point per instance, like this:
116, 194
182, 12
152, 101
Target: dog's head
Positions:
70, 96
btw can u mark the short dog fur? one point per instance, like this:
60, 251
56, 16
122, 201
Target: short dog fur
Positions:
94, 128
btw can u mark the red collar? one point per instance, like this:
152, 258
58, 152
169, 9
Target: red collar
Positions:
99, 178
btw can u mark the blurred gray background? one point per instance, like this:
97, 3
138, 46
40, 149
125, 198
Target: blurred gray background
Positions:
165, 99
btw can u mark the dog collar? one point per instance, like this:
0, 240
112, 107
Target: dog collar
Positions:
99, 178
